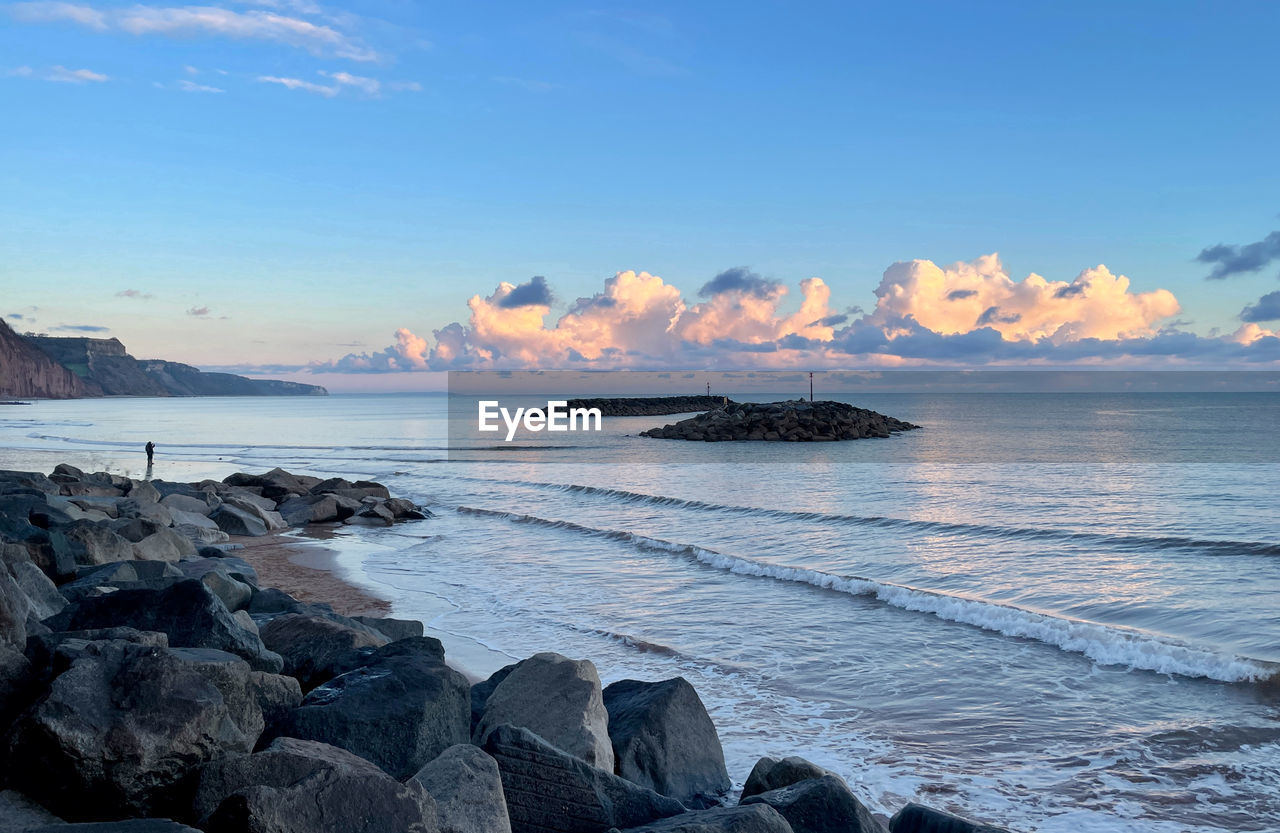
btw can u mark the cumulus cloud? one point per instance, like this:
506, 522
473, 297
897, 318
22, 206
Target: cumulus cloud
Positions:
1267, 308
967, 296
1237, 260
966, 314
254, 24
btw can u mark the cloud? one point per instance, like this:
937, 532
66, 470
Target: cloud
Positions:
1236, 260
1267, 308
60, 74
80, 328
405, 86
320, 39
369, 86
739, 279
199, 312
134, 293
534, 293
192, 87
299, 84
965, 314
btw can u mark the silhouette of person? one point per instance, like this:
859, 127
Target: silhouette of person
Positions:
151, 452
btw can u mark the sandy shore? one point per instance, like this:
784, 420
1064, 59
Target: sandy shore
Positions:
301, 565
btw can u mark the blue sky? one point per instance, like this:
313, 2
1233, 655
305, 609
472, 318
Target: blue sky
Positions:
315, 177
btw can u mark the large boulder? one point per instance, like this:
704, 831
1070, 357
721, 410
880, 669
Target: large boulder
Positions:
262, 508
916, 818
546, 788
42, 594
96, 544
772, 774
276, 484
189, 504
481, 691
393, 629
400, 710
19, 814
759, 818
317, 648
235, 594
311, 509
819, 805
664, 739
17, 685
164, 545
122, 730
121, 575
235, 521
560, 700
298, 786
15, 608
187, 611
467, 789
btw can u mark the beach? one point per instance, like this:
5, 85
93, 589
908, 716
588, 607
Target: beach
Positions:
920, 628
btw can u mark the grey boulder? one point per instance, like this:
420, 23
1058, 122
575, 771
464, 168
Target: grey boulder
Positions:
558, 699
467, 789
548, 789
819, 805
772, 774
298, 786
759, 818
664, 739
235, 521
317, 648
916, 818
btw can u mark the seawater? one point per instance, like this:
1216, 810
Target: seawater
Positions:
1055, 612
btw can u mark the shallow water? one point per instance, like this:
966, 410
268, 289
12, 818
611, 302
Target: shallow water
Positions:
1053, 612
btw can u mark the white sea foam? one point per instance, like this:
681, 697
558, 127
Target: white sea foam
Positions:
1104, 644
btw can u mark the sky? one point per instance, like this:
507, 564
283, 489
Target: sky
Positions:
357, 194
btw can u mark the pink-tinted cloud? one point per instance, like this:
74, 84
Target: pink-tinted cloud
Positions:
965, 314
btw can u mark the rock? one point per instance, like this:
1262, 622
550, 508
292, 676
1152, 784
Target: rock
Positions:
14, 609
405, 510
916, 818
177, 502
143, 492
546, 788
394, 629
399, 711
122, 575
121, 732
236, 521
819, 805
55, 652
130, 508
467, 789
481, 691
135, 529
94, 543
772, 774
311, 509
276, 484
316, 648
201, 535
163, 545
19, 814
558, 699
183, 518
17, 684
664, 739
228, 565
278, 695
191, 616
246, 503
759, 818
109, 506
298, 786
374, 514
794, 421
234, 594
42, 594
268, 601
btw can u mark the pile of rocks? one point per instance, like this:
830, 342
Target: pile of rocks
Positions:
182, 696
794, 421
651, 405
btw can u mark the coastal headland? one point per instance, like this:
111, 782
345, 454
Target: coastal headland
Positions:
152, 679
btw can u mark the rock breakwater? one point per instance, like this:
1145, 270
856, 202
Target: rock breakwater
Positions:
651, 405
793, 421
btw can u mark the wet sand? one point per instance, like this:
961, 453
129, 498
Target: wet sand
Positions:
302, 565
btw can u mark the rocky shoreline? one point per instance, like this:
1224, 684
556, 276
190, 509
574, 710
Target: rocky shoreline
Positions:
794, 421
149, 681
650, 405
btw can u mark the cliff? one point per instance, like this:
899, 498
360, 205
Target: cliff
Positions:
27, 372
66, 368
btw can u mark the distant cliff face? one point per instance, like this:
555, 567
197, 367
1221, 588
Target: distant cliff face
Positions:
28, 372
64, 368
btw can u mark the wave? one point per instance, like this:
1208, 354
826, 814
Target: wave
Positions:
1218, 546
1103, 644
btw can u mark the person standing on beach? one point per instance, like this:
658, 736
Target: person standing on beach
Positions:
151, 452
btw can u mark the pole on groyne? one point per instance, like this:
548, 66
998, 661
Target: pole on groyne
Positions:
810, 385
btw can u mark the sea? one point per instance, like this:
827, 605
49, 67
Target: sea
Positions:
1048, 611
